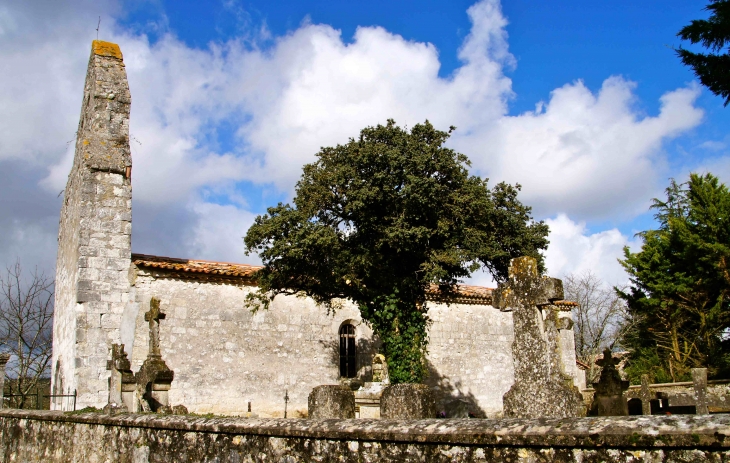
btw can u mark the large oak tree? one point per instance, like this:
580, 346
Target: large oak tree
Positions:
380, 219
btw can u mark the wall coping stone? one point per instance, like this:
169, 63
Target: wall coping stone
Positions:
677, 431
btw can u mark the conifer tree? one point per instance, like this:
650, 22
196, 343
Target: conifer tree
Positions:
679, 299
713, 69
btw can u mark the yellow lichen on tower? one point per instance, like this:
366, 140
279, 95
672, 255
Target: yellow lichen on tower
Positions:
102, 48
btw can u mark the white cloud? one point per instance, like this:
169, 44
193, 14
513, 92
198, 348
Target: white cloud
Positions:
218, 234
573, 250
592, 156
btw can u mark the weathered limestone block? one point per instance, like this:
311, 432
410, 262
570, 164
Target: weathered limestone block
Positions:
331, 401
541, 389
609, 400
407, 402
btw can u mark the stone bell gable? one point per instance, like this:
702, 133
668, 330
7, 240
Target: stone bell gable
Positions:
94, 238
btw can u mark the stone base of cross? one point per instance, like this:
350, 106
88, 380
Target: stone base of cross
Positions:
541, 388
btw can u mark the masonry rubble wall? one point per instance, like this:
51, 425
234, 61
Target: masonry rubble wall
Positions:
58, 437
94, 251
225, 357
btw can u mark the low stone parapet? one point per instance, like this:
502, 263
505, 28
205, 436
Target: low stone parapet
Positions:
51, 436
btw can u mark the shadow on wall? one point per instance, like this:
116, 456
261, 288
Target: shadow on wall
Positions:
451, 400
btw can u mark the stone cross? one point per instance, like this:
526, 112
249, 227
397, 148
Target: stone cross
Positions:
609, 400
540, 390
153, 317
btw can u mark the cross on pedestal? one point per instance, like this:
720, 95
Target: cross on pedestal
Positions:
540, 389
153, 317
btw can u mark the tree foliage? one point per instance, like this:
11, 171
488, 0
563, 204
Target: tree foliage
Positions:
380, 219
679, 298
26, 323
713, 69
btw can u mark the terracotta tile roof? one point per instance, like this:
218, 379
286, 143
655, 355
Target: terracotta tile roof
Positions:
224, 269
188, 268
463, 293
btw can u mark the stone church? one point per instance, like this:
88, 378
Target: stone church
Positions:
191, 315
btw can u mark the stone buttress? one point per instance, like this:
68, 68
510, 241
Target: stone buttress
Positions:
94, 239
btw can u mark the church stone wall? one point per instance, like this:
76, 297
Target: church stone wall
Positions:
470, 356
224, 356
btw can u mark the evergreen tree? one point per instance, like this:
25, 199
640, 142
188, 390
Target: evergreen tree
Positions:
378, 221
713, 69
679, 299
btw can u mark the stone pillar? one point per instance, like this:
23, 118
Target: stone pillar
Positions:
645, 396
3, 361
699, 380
541, 389
94, 238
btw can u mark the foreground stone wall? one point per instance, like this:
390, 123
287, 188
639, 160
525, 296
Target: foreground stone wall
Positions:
224, 356
55, 437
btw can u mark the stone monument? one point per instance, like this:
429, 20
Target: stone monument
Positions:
608, 399
121, 382
155, 377
541, 389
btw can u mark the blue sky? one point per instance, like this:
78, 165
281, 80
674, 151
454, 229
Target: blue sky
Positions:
231, 98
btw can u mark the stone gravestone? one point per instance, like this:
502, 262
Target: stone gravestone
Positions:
407, 402
541, 389
4, 358
121, 376
331, 401
608, 399
155, 377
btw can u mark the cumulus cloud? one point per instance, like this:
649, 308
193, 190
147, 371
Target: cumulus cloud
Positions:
574, 250
256, 108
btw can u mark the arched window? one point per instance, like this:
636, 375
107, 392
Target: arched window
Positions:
348, 356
